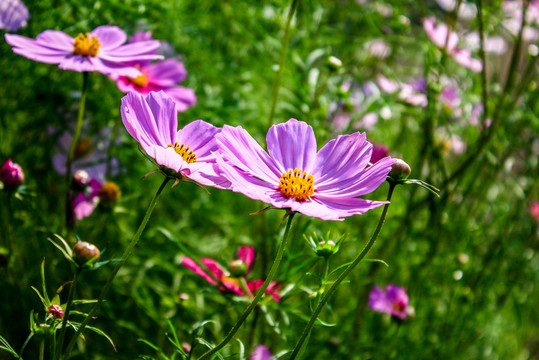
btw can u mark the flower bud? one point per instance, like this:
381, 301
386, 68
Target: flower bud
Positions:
325, 248
85, 253
109, 194
237, 268
400, 170
81, 180
334, 63
11, 174
56, 311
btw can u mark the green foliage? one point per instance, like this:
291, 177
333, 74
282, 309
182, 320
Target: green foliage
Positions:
468, 258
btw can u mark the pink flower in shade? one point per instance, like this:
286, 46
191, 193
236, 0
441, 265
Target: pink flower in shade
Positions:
11, 174
393, 301
152, 120
438, 34
100, 50
261, 352
245, 255
324, 184
86, 201
162, 75
534, 210
379, 151
13, 15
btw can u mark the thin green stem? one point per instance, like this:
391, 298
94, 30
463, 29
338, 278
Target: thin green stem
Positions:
42, 349
119, 264
258, 296
282, 59
71, 152
341, 277
69, 303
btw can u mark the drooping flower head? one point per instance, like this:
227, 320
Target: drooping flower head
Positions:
293, 175
11, 174
102, 50
443, 38
13, 15
163, 75
229, 281
392, 301
261, 352
152, 120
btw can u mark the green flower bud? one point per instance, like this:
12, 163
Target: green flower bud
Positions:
85, 253
400, 170
325, 248
237, 268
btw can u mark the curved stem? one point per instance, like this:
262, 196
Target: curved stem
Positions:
259, 294
66, 314
119, 264
71, 152
341, 277
282, 58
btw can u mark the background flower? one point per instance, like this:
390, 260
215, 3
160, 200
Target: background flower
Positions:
163, 75
100, 50
392, 301
13, 15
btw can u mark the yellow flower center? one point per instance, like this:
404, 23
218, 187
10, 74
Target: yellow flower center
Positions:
295, 184
141, 80
85, 45
188, 155
230, 281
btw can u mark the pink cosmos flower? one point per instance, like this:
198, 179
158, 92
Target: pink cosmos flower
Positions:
152, 120
163, 75
393, 301
85, 201
13, 15
324, 184
244, 259
439, 36
261, 352
100, 50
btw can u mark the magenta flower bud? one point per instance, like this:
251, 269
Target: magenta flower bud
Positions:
11, 174
81, 179
237, 268
56, 311
85, 253
400, 170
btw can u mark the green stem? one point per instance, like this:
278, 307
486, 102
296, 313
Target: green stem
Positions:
282, 58
42, 349
119, 264
66, 314
71, 152
341, 277
259, 294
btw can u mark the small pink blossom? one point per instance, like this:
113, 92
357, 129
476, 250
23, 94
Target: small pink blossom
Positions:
56, 311
227, 282
261, 352
13, 15
392, 301
445, 39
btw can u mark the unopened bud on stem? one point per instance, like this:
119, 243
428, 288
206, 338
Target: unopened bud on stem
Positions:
85, 253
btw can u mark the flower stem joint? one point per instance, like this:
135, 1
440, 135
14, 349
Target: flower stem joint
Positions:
85, 254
